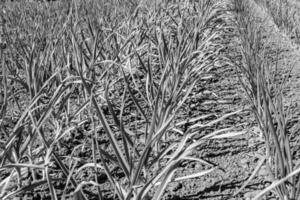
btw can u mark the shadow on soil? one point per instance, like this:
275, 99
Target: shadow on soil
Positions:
217, 191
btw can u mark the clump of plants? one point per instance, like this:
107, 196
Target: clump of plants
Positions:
118, 71
265, 86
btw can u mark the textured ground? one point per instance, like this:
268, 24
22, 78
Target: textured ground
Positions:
239, 156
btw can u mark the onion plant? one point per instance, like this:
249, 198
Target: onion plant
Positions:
265, 85
125, 70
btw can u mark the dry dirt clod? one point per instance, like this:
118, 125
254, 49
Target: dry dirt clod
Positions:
245, 162
251, 195
263, 171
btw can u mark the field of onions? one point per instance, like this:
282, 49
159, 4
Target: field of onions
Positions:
136, 99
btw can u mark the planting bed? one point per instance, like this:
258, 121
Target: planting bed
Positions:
140, 100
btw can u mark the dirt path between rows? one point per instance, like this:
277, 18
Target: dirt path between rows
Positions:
238, 156
290, 54
291, 50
